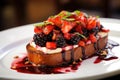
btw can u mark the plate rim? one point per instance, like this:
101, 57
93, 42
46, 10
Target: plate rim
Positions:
117, 72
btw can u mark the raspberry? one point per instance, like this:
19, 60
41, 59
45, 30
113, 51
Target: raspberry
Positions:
40, 39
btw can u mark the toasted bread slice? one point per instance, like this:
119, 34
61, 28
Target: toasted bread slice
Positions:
40, 58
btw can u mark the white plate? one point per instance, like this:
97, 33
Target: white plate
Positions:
13, 42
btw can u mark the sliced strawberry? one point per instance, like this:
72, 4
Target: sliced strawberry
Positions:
48, 29
92, 38
67, 36
79, 29
56, 20
91, 23
105, 30
81, 14
81, 43
82, 21
54, 36
37, 30
51, 45
82, 18
67, 26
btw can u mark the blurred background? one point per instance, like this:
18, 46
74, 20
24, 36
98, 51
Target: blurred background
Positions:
15, 13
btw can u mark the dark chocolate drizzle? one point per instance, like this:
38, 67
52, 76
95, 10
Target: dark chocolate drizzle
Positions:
111, 44
108, 49
21, 65
96, 46
83, 53
63, 56
72, 55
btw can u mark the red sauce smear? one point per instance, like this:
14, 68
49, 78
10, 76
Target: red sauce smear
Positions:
24, 66
98, 59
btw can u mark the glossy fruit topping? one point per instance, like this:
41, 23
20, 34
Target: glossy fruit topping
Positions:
92, 38
60, 41
51, 45
67, 28
40, 39
81, 43
48, 29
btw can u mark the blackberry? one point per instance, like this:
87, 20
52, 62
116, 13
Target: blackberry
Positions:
57, 28
60, 41
49, 36
74, 39
94, 30
40, 39
101, 26
85, 32
72, 30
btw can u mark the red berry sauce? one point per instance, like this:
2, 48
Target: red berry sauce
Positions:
24, 66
